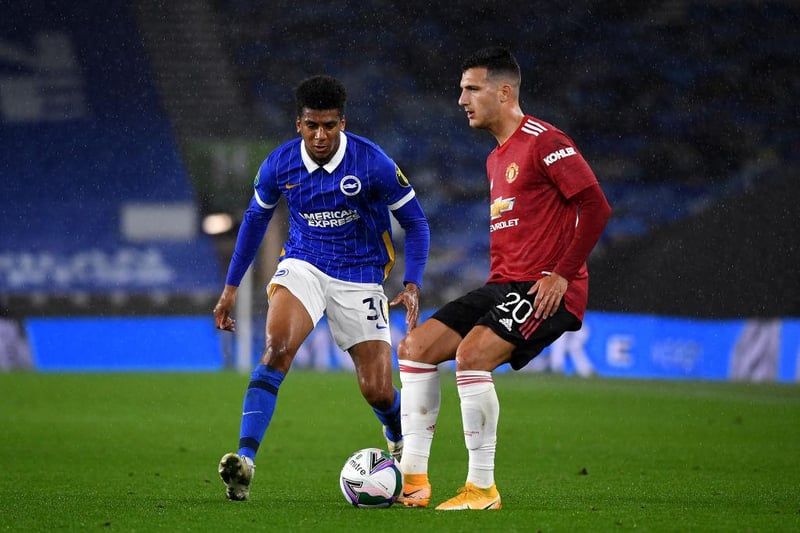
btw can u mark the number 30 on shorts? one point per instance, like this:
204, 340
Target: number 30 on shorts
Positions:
375, 311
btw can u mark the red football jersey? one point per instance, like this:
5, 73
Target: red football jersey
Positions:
532, 177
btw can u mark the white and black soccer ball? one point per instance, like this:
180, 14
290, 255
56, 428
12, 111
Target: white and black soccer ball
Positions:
371, 479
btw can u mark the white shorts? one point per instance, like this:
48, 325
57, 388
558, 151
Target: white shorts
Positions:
356, 312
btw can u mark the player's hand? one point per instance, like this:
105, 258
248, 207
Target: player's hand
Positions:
409, 297
222, 311
549, 292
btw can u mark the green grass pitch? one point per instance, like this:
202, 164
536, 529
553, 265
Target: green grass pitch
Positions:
139, 452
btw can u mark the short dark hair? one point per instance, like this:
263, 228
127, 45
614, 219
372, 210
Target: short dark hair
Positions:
496, 60
320, 93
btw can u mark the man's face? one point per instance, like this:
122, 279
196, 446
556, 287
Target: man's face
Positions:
320, 132
479, 98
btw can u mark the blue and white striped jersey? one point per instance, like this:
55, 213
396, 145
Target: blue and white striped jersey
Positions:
338, 213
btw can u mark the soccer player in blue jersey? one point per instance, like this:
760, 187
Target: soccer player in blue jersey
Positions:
341, 190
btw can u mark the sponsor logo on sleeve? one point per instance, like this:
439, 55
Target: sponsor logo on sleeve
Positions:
561, 153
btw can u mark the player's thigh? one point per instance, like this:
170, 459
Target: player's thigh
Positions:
483, 349
431, 342
288, 325
305, 282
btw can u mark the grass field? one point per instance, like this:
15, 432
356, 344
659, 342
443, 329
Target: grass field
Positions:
138, 452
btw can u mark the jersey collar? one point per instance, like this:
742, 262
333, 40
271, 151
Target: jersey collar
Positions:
331, 165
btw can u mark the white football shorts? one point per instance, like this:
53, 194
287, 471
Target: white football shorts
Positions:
356, 312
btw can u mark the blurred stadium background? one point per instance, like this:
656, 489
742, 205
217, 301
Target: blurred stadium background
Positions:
130, 133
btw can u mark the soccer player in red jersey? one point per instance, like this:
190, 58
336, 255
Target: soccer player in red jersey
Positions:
547, 213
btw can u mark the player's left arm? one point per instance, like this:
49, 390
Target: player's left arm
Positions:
577, 182
594, 213
417, 245
405, 207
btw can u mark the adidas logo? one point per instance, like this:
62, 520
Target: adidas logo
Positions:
507, 323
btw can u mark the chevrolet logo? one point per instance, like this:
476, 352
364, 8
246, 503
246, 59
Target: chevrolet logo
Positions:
500, 205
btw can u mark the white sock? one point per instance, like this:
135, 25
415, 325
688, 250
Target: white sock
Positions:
420, 400
480, 411
249, 462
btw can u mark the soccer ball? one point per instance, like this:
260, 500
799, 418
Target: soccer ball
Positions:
370, 479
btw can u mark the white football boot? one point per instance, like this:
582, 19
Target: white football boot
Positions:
395, 447
236, 472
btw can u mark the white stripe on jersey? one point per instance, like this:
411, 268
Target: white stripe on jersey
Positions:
532, 127
262, 203
402, 201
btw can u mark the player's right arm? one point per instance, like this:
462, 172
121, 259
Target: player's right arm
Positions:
222, 311
251, 233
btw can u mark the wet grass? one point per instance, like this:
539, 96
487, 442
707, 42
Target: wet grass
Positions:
138, 452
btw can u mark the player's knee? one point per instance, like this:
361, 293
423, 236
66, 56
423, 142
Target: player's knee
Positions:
414, 348
404, 349
378, 397
277, 355
470, 359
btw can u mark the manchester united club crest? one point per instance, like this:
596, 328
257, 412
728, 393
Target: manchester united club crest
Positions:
512, 171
